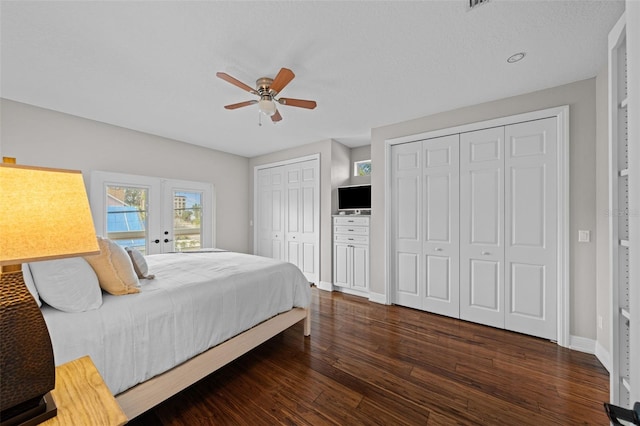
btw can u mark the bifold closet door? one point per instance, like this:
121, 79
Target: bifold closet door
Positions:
425, 224
440, 218
301, 221
270, 218
406, 212
482, 226
531, 228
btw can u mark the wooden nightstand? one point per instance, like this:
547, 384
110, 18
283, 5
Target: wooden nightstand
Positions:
83, 398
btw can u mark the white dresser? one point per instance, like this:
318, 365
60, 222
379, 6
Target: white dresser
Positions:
351, 254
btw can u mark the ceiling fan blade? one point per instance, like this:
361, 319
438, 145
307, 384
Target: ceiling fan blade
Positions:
282, 79
276, 117
301, 103
226, 77
240, 104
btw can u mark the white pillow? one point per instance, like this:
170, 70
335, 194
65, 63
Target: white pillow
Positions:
139, 264
31, 286
69, 285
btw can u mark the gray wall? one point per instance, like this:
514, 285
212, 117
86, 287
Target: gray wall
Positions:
41, 137
581, 97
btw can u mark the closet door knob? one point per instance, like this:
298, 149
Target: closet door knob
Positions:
156, 241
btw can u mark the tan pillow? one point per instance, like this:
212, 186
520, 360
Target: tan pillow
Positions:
114, 268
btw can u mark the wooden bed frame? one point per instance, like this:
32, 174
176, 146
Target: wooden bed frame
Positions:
146, 395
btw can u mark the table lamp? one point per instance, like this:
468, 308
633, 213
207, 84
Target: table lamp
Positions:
44, 215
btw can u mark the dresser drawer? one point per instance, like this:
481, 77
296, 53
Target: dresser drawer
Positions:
358, 230
347, 220
355, 239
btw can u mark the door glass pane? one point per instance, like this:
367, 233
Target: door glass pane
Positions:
127, 216
187, 220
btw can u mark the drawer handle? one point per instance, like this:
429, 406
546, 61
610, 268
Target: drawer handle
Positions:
350, 230
350, 239
438, 249
485, 253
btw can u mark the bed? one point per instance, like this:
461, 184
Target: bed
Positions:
201, 311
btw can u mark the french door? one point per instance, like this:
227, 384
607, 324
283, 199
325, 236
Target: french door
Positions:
151, 214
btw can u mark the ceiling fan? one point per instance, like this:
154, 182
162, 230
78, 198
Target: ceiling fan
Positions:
267, 89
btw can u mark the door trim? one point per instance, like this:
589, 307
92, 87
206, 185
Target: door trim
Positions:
563, 245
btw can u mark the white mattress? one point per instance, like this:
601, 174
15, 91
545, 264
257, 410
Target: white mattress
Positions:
196, 301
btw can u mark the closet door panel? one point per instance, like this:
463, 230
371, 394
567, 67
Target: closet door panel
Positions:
406, 211
440, 207
308, 222
481, 226
270, 217
407, 279
531, 228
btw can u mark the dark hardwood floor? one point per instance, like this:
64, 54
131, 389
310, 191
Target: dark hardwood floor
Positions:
367, 363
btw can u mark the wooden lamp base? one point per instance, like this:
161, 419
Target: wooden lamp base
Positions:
27, 369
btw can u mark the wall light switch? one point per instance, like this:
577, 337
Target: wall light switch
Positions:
584, 236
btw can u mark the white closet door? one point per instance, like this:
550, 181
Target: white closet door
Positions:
531, 228
440, 219
406, 178
481, 226
301, 224
270, 218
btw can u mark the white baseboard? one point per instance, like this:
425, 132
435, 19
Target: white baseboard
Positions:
351, 292
323, 285
378, 298
582, 344
603, 356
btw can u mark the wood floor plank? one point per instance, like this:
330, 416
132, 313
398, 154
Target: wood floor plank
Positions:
371, 364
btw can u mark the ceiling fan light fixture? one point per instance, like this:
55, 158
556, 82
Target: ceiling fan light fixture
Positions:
267, 106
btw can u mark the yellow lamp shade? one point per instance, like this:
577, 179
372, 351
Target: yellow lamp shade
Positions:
44, 214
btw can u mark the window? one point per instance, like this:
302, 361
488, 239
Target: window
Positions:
151, 214
187, 220
127, 216
362, 168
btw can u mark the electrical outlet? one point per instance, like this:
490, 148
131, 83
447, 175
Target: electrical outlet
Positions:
584, 236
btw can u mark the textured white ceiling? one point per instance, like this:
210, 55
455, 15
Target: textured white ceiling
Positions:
150, 65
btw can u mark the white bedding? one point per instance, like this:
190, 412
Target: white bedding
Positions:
196, 301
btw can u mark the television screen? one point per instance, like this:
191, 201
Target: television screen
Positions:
356, 197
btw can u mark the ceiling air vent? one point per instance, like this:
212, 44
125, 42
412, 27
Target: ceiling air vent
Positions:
476, 3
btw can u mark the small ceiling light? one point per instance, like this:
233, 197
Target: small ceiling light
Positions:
267, 106
516, 57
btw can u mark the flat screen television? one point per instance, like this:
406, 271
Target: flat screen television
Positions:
354, 197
